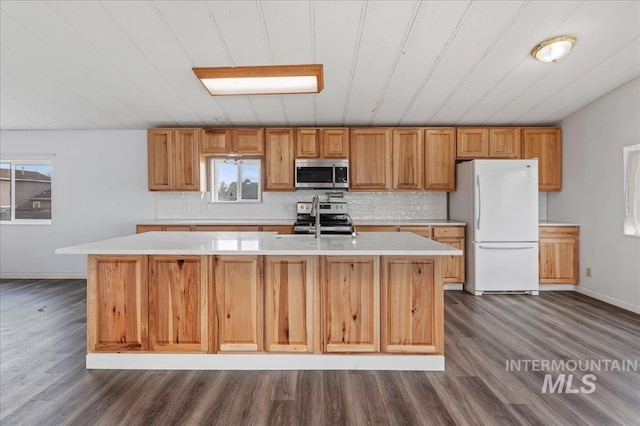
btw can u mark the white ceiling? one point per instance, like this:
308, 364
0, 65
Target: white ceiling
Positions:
127, 64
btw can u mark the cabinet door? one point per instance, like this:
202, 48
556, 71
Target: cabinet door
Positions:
472, 142
307, 143
186, 167
545, 144
279, 168
377, 228
351, 304
424, 231
440, 159
280, 229
452, 266
412, 305
160, 159
215, 141
117, 303
504, 142
148, 228
178, 303
335, 143
558, 255
406, 151
248, 141
239, 303
370, 153
289, 303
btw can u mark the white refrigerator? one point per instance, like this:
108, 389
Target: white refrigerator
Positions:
498, 199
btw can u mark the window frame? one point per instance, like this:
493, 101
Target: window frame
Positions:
213, 179
12, 180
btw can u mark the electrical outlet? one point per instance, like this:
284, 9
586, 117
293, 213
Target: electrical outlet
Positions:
373, 207
589, 272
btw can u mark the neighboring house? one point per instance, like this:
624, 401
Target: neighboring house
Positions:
249, 191
33, 193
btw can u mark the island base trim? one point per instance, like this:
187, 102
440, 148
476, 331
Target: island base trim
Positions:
97, 361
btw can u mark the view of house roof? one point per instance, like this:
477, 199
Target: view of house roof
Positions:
43, 196
27, 175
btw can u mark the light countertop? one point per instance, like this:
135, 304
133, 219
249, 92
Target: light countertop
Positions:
264, 243
257, 222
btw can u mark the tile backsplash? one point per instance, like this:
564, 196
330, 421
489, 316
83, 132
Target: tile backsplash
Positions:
282, 205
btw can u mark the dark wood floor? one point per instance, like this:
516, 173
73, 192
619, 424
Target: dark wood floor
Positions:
44, 380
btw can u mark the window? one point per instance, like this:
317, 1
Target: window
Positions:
631, 161
25, 191
235, 180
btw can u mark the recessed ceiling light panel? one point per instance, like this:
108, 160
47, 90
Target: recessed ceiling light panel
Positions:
261, 80
553, 48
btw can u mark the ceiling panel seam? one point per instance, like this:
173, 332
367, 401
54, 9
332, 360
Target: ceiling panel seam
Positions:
354, 63
181, 46
265, 32
479, 60
312, 28
400, 52
575, 80
13, 111
544, 74
443, 51
507, 74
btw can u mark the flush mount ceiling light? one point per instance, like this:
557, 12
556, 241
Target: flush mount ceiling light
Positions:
553, 48
261, 80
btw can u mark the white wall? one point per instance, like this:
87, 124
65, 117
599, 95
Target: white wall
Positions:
592, 194
99, 191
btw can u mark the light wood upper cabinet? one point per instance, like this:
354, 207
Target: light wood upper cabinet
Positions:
452, 266
440, 158
406, 149
472, 142
545, 144
178, 303
290, 283
350, 304
370, 155
504, 142
220, 141
239, 302
412, 305
279, 159
117, 317
558, 255
173, 159
322, 142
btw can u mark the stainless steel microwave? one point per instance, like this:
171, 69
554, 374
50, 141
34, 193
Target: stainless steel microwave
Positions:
327, 173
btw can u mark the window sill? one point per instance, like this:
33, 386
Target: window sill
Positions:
26, 222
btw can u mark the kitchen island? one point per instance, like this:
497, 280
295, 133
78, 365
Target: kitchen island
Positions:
263, 301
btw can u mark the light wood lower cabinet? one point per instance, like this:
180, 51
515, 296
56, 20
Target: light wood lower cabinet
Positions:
178, 303
350, 304
116, 303
452, 266
238, 318
558, 256
290, 283
411, 311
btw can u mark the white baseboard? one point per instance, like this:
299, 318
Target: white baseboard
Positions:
453, 286
154, 361
557, 287
608, 299
43, 275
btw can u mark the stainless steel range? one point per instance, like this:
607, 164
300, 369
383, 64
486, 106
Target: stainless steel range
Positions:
334, 218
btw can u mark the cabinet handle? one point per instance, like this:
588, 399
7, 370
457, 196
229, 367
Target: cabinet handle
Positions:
479, 200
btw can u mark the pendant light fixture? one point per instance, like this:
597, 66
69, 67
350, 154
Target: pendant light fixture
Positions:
553, 48
261, 80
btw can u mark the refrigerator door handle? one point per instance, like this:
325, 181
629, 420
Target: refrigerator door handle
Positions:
479, 201
497, 247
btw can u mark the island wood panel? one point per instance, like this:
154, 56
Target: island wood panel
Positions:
350, 304
370, 151
117, 303
545, 144
178, 303
504, 142
160, 162
472, 142
406, 151
279, 160
412, 300
238, 315
558, 255
440, 159
289, 303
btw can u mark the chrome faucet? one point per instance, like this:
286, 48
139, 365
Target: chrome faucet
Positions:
315, 212
352, 225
